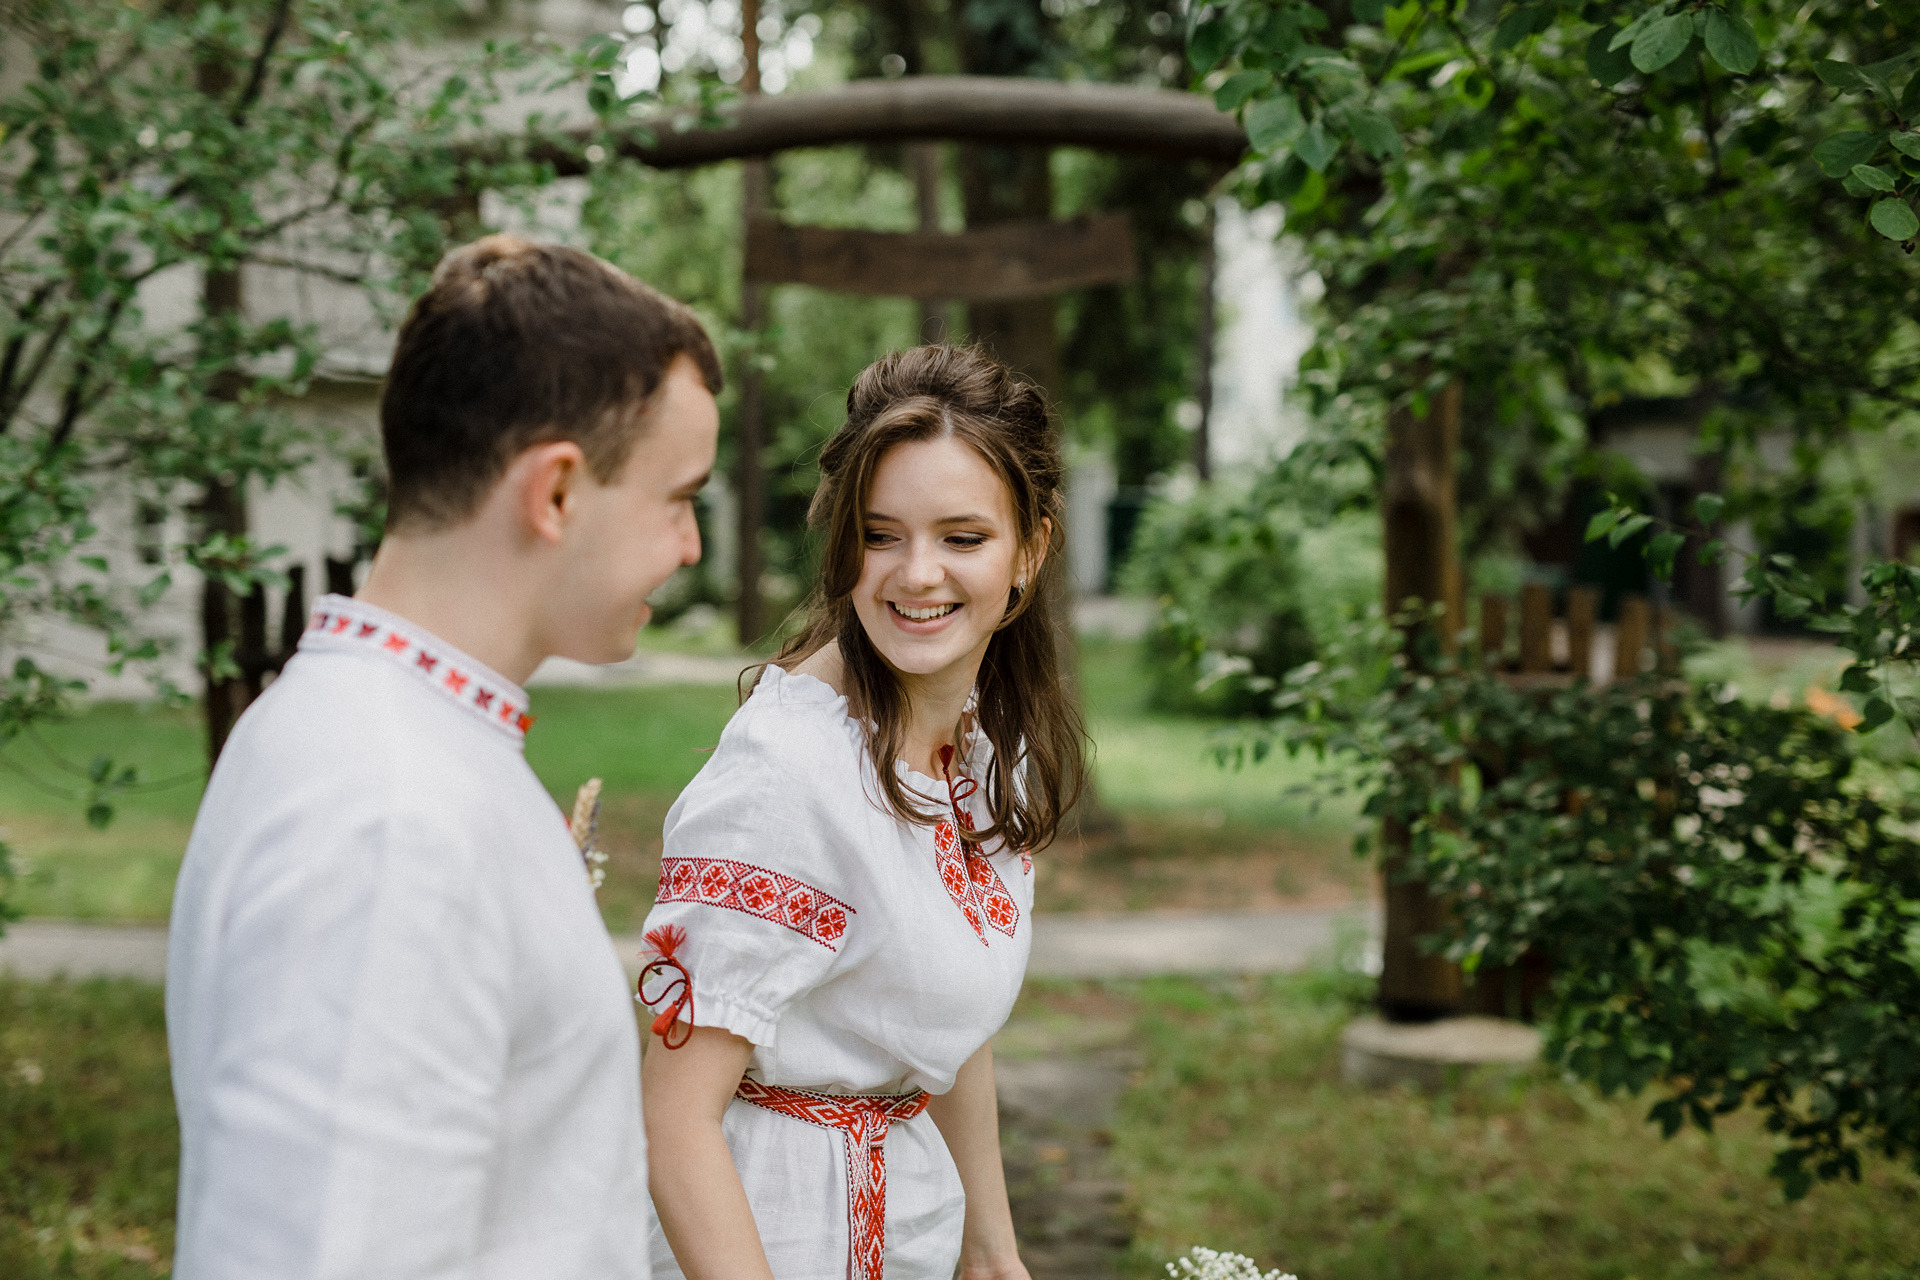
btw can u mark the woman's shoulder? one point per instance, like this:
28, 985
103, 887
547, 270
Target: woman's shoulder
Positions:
793, 730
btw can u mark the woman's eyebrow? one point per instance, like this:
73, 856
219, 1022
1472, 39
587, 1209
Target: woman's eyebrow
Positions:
884, 518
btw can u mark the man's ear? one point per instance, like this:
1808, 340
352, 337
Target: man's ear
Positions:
545, 482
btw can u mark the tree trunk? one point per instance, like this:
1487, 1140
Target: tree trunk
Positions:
223, 509
1423, 567
750, 428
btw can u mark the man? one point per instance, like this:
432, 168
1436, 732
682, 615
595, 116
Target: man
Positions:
402, 1044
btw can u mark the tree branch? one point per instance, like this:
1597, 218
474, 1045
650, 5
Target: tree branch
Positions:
76, 401
257, 78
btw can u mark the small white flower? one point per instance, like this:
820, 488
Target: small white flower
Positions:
1209, 1264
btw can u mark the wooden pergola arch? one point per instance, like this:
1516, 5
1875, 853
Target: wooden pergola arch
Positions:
1021, 260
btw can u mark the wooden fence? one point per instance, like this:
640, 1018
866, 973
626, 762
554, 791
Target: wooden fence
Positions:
1552, 652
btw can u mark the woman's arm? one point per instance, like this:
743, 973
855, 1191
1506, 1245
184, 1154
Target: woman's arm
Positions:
696, 1190
969, 1118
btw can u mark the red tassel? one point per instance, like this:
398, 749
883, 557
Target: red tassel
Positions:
677, 988
665, 940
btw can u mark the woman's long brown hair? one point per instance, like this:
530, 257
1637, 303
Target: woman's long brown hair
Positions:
1024, 706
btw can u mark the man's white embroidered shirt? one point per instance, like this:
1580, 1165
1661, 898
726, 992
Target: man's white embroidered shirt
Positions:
402, 1045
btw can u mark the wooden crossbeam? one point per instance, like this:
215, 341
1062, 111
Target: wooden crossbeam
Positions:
1008, 260
1001, 110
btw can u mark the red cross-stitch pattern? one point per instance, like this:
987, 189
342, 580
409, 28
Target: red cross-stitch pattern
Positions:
741, 886
463, 688
973, 884
862, 1121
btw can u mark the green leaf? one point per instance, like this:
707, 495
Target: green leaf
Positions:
1840, 152
1513, 28
1662, 41
1603, 521
1315, 147
1375, 134
1240, 86
1708, 506
1732, 42
1627, 528
1273, 123
1842, 75
1633, 29
1605, 63
1369, 10
97, 563
1857, 679
1907, 143
1874, 177
1212, 37
1894, 219
1661, 550
99, 815
1875, 713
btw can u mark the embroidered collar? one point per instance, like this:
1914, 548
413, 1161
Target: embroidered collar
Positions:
342, 624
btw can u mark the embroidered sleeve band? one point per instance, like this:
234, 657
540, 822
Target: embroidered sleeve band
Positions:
741, 886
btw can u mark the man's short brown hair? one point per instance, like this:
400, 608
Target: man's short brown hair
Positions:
517, 344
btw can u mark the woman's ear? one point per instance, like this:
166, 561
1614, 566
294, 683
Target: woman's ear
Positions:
1033, 557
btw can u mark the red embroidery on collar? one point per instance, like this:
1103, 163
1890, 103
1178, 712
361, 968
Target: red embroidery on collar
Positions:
383, 638
967, 873
741, 886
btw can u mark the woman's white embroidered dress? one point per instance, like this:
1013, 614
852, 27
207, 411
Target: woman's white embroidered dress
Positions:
859, 953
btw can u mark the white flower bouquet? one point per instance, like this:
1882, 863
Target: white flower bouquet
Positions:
1210, 1264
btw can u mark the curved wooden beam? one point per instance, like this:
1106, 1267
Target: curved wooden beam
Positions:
1006, 110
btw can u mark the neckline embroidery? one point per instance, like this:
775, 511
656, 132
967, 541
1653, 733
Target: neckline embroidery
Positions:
339, 622
966, 871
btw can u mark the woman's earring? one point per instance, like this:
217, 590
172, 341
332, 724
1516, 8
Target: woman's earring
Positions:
1019, 584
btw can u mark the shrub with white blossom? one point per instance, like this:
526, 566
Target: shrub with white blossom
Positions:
1208, 1264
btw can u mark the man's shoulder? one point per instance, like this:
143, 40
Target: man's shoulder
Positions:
333, 725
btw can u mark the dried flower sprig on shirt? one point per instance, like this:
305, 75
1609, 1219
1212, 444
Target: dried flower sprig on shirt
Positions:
585, 827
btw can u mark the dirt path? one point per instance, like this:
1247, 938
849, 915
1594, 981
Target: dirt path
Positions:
1062, 1063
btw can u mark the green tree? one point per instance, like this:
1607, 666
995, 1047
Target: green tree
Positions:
188, 142
1560, 204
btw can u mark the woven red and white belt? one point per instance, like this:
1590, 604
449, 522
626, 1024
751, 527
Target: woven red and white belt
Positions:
862, 1120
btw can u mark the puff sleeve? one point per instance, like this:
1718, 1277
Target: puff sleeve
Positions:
749, 873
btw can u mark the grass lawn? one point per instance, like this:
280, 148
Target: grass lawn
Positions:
1193, 834
89, 1150
1235, 1133
1238, 1134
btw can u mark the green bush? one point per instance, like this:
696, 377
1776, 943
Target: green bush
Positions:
1227, 574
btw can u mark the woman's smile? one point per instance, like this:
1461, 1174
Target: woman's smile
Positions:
922, 613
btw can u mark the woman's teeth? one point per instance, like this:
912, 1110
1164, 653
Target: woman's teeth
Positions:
927, 614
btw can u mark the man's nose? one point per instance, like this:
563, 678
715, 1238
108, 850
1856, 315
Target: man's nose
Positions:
690, 543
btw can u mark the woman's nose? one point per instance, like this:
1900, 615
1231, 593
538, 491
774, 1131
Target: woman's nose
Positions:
923, 569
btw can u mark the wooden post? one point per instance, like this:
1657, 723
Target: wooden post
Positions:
926, 198
1666, 651
1203, 355
750, 428
1583, 608
1536, 627
1418, 502
1630, 637
1493, 631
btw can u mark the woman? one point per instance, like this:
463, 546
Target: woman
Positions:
846, 892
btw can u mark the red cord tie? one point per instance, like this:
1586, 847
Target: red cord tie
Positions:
676, 988
957, 790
